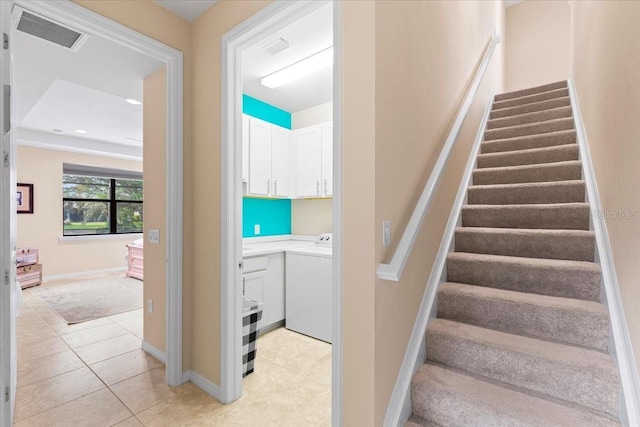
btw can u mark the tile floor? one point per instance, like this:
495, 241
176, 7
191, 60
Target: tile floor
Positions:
95, 374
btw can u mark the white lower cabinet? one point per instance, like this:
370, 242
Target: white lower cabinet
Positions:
263, 281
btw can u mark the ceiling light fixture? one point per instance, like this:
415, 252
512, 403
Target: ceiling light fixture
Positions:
133, 101
293, 72
80, 131
58, 131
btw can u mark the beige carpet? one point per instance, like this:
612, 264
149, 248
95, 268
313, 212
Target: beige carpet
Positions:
80, 301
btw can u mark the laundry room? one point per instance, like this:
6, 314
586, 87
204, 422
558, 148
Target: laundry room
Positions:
287, 202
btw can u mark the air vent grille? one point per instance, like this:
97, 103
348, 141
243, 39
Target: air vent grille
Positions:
48, 30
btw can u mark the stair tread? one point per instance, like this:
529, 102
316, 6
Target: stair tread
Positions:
479, 402
543, 105
528, 137
569, 183
532, 90
530, 117
527, 129
553, 148
416, 421
534, 124
532, 262
527, 167
524, 231
528, 99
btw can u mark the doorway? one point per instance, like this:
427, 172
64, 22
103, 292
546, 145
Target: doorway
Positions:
72, 15
260, 27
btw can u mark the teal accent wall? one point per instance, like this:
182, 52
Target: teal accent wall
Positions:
267, 112
273, 215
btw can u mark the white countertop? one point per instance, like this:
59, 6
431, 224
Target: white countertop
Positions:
255, 247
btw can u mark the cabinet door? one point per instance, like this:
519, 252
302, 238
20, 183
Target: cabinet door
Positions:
275, 288
245, 148
259, 157
327, 159
254, 286
280, 161
308, 162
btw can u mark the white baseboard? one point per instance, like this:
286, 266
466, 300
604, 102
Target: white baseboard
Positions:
83, 273
204, 384
620, 347
155, 352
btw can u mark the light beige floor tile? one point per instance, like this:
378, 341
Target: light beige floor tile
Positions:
299, 402
144, 390
101, 408
61, 327
185, 405
90, 336
124, 366
132, 321
237, 414
265, 377
36, 348
49, 393
129, 422
34, 331
34, 370
107, 349
320, 371
290, 350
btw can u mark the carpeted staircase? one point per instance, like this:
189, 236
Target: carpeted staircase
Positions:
521, 338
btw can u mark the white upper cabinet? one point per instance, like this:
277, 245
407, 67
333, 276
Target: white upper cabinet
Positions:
308, 142
245, 148
259, 158
327, 159
269, 159
280, 162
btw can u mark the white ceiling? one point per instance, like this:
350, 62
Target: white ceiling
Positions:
308, 35
58, 89
187, 9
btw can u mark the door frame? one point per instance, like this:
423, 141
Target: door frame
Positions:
92, 23
273, 17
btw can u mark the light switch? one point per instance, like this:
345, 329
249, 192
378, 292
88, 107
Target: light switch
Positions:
150, 305
256, 229
154, 236
386, 233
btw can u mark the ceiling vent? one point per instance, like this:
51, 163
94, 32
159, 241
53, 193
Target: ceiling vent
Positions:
46, 29
276, 46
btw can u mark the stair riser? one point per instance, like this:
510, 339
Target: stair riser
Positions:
536, 173
520, 317
559, 93
540, 116
531, 91
530, 108
518, 195
592, 388
530, 129
565, 282
528, 142
556, 218
573, 248
529, 157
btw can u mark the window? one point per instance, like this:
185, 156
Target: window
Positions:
99, 201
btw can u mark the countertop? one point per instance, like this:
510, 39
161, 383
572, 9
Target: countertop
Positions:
256, 248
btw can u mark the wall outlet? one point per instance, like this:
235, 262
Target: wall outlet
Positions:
386, 233
256, 229
150, 306
153, 236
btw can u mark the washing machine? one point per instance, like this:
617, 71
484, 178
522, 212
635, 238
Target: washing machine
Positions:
308, 289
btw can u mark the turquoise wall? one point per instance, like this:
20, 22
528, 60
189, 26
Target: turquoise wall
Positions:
263, 111
273, 215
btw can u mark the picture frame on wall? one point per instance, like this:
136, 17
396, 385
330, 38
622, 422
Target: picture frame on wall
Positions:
24, 198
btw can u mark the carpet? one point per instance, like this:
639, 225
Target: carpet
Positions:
80, 301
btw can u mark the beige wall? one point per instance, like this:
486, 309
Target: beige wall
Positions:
43, 228
158, 23
537, 43
312, 116
426, 54
605, 64
154, 153
311, 216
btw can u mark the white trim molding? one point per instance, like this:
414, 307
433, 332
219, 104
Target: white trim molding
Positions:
154, 351
269, 20
203, 383
621, 348
399, 408
393, 270
85, 20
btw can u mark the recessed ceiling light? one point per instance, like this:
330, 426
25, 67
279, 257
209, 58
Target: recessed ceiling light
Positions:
58, 131
80, 131
134, 102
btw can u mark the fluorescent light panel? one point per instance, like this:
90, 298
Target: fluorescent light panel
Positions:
133, 101
300, 69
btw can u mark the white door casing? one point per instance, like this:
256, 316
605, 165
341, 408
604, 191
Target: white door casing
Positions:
8, 290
